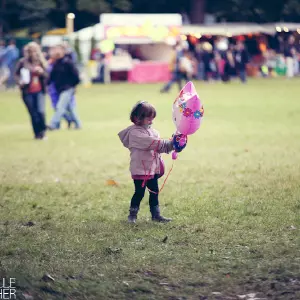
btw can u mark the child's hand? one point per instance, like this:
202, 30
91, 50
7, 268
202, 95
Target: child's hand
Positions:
179, 142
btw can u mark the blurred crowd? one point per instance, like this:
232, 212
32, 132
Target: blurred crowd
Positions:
206, 64
223, 61
209, 60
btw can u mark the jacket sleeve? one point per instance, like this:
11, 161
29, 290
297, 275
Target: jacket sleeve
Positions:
74, 72
51, 77
141, 140
246, 55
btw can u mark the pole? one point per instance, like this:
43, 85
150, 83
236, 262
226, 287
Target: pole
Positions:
70, 23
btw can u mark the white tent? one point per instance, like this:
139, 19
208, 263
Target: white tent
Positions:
150, 50
224, 29
234, 29
281, 27
87, 33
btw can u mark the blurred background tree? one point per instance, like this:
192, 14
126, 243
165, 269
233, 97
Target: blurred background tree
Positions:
48, 14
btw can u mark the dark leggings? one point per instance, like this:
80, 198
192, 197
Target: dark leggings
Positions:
35, 104
139, 193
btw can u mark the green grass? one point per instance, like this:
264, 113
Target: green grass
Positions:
234, 196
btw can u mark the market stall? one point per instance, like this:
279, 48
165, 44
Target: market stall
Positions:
235, 29
148, 38
142, 44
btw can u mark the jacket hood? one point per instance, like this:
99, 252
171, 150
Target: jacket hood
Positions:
124, 135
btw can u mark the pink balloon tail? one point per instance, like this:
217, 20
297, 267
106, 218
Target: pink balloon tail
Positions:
174, 155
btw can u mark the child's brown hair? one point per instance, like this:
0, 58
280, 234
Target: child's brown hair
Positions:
140, 111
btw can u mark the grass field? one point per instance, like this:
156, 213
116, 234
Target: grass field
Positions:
234, 196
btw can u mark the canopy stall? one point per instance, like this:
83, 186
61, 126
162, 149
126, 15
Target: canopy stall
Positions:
140, 28
150, 36
153, 33
235, 29
282, 27
223, 29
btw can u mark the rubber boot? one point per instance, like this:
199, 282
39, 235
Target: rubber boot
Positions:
133, 214
157, 217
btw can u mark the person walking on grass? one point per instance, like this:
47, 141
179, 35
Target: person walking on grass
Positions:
176, 73
241, 60
31, 78
146, 165
54, 95
65, 77
289, 53
4, 70
13, 54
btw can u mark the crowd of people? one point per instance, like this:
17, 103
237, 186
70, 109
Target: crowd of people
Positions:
58, 76
205, 64
224, 62
218, 59
54, 72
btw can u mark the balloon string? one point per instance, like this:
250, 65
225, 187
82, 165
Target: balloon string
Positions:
147, 176
163, 185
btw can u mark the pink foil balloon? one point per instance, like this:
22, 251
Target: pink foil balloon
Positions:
187, 110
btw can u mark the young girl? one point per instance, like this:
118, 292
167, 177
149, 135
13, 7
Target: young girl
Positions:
146, 165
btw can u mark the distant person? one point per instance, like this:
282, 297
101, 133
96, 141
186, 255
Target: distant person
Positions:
186, 66
12, 55
70, 52
31, 77
54, 95
269, 63
229, 64
216, 65
65, 77
4, 70
289, 54
200, 66
146, 165
207, 57
101, 64
241, 60
176, 74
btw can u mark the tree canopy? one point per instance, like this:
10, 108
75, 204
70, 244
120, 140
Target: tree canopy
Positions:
46, 14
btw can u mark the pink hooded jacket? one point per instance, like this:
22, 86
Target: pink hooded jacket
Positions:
145, 147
